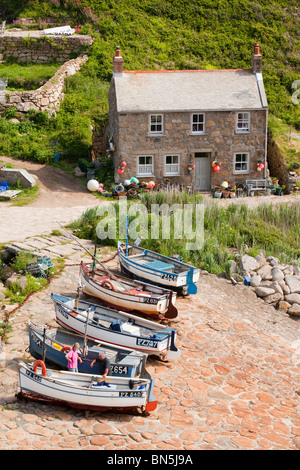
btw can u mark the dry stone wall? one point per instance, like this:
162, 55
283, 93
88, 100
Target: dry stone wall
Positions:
38, 48
47, 97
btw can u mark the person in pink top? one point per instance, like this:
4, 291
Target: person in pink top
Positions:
73, 358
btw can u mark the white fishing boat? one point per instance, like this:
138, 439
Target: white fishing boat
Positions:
85, 391
126, 294
101, 323
154, 268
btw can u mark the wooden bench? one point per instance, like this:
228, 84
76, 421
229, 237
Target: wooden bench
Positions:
256, 185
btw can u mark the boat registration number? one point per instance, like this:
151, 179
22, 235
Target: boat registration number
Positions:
135, 393
33, 376
146, 342
148, 300
169, 277
120, 369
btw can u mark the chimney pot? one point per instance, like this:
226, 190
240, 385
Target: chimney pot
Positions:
256, 49
117, 62
256, 59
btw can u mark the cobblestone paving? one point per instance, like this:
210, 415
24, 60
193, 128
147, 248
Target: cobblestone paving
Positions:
235, 387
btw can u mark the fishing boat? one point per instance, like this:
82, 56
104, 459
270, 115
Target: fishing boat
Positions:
127, 294
122, 329
52, 344
167, 272
85, 391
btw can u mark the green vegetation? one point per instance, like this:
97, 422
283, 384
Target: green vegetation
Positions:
18, 295
173, 34
229, 232
24, 76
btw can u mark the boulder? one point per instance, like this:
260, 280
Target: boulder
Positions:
13, 278
289, 270
248, 263
296, 271
294, 310
273, 298
277, 274
293, 298
255, 281
265, 272
272, 260
5, 272
293, 284
22, 282
284, 306
286, 290
264, 291
261, 260
276, 287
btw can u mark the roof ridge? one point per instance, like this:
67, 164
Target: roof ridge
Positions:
188, 71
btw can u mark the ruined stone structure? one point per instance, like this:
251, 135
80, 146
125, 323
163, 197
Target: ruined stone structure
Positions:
181, 124
49, 96
36, 47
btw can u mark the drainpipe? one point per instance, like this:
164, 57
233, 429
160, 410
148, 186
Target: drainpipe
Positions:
266, 145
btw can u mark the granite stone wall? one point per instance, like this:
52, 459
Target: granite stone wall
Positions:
38, 48
131, 138
47, 97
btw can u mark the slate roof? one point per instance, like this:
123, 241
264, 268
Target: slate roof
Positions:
190, 90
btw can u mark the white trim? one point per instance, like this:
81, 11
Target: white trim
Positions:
191, 120
145, 165
241, 172
162, 124
242, 130
165, 164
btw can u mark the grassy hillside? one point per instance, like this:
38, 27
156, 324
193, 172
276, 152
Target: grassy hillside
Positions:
178, 34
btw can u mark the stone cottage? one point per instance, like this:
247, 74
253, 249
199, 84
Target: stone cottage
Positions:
181, 124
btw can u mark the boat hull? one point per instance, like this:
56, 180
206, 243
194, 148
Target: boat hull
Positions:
80, 390
184, 282
146, 303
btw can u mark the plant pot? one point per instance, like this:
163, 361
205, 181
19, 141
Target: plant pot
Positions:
218, 194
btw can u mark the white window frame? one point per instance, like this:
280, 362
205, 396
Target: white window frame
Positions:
241, 171
244, 120
197, 123
168, 165
161, 123
145, 165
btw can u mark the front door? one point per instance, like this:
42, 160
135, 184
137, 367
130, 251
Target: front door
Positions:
202, 171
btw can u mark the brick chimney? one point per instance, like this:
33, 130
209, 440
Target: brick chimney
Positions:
256, 60
118, 63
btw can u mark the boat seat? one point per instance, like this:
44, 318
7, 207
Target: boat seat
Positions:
139, 292
160, 265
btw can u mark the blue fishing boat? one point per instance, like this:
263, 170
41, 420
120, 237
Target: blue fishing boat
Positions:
52, 344
154, 268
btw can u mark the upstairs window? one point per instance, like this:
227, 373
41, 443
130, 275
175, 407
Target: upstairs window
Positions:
172, 165
198, 123
145, 165
241, 163
156, 124
243, 122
